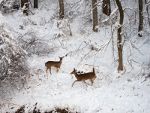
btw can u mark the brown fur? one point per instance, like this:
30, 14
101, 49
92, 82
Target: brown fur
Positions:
55, 64
85, 76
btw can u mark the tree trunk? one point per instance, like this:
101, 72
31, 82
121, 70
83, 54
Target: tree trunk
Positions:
119, 39
35, 3
106, 7
147, 10
61, 9
25, 6
22, 3
140, 18
95, 15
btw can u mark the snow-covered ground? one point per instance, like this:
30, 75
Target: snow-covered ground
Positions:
112, 92
118, 95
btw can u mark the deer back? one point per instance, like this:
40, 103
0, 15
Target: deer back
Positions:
85, 76
56, 64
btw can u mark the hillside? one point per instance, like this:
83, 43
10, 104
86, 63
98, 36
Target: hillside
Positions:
41, 37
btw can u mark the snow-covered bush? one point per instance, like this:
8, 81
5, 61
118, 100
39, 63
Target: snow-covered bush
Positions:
61, 28
13, 67
7, 6
33, 45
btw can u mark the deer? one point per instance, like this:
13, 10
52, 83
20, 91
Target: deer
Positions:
84, 76
55, 64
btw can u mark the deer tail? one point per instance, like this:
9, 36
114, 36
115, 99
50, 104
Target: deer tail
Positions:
93, 70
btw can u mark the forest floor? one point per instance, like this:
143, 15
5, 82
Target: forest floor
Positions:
112, 92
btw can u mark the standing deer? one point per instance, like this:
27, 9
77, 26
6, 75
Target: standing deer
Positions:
55, 64
84, 76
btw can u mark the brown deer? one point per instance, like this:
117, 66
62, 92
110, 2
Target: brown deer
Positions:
84, 76
55, 64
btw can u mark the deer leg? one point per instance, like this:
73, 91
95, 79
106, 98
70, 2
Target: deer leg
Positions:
46, 72
57, 70
91, 82
50, 70
74, 82
85, 83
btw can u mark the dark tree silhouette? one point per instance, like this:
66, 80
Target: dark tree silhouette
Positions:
106, 7
61, 9
95, 15
119, 39
35, 3
140, 28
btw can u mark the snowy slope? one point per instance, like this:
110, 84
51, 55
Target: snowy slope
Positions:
112, 92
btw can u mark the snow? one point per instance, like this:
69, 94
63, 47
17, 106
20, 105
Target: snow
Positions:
112, 92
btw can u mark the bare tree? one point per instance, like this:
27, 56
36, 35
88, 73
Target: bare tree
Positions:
14, 70
140, 28
35, 3
147, 10
22, 3
25, 6
61, 9
106, 7
95, 15
119, 39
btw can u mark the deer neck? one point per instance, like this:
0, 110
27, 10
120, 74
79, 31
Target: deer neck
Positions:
77, 75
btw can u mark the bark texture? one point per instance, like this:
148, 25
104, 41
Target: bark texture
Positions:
95, 15
119, 39
140, 28
35, 3
106, 7
61, 9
